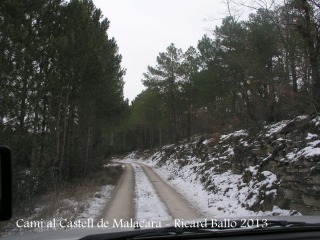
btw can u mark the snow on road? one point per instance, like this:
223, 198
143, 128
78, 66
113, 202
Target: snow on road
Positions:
225, 202
121, 204
149, 207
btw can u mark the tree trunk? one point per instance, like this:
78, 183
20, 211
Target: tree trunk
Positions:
43, 126
23, 105
145, 138
58, 129
152, 138
313, 48
124, 141
64, 135
189, 123
34, 144
293, 71
89, 134
160, 137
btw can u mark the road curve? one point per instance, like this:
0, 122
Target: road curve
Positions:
121, 204
176, 204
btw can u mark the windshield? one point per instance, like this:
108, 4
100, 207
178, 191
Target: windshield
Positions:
145, 114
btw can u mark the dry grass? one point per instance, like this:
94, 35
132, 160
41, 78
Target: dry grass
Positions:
66, 202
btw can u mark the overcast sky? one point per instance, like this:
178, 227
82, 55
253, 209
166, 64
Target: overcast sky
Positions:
143, 28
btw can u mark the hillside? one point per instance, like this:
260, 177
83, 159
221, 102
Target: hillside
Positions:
272, 172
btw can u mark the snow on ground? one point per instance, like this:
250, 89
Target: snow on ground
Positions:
212, 205
274, 128
71, 209
220, 193
277, 127
310, 151
90, 208
228, 194
240, 133
149, 207
227, 199
97, 203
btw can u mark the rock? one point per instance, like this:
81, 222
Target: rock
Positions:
311, 200
290, 194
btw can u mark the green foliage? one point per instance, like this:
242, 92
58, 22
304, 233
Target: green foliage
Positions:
146, 109
61, 86
165, 79
249, 72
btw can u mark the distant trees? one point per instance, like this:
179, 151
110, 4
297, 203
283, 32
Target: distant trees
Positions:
62, 107
146, 121
309, 25
60, 87
164, 79
249, 72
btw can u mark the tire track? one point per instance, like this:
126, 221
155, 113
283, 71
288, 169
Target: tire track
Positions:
141, 194
149, 206
121, 204
177, 205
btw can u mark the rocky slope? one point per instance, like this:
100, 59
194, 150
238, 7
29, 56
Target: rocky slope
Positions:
276, 167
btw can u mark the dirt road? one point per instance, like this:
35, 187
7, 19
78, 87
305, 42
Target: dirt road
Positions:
122, 204
176, 204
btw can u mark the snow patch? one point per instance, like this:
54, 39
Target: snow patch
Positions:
240, 133
149, 207
275, 128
